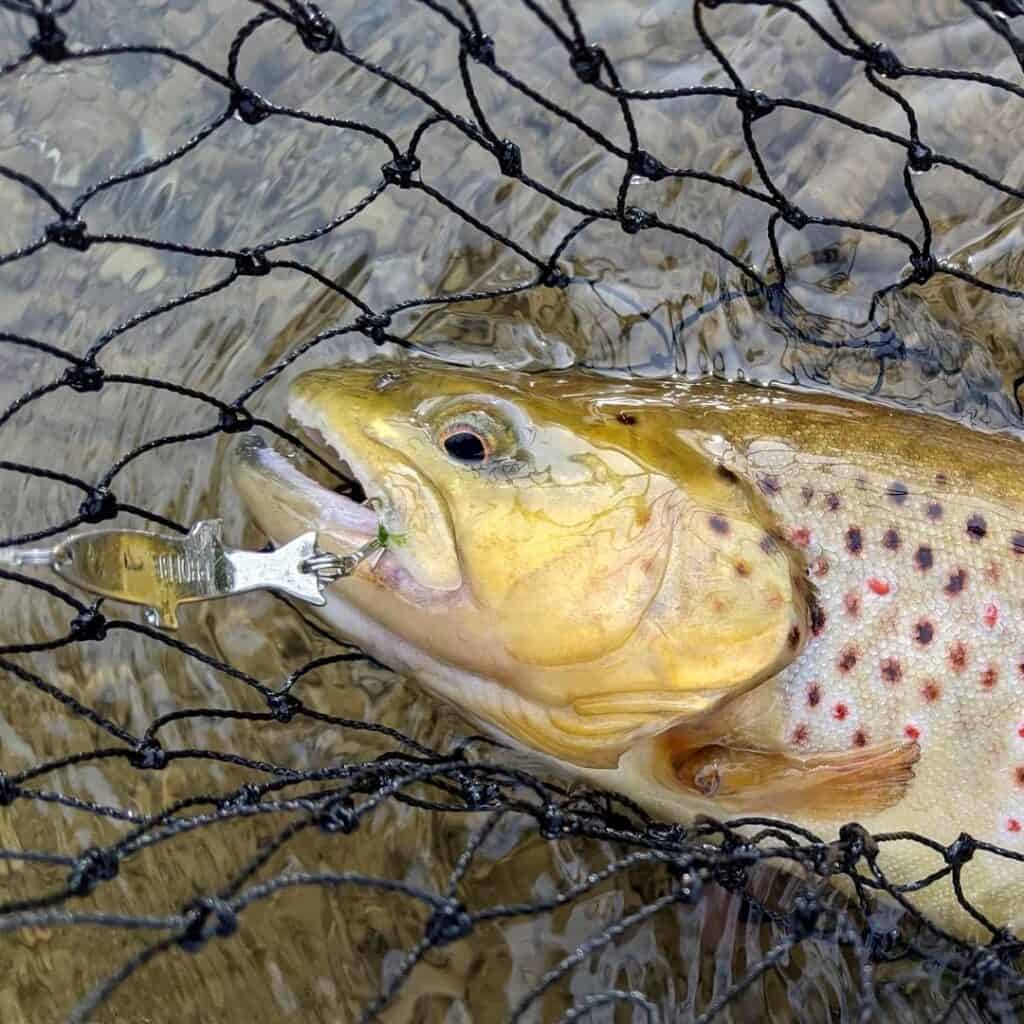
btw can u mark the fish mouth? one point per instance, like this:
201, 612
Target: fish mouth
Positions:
290, 489
336, 481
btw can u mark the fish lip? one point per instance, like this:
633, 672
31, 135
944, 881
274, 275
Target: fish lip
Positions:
347, 520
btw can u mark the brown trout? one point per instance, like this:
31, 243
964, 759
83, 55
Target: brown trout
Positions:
711, 597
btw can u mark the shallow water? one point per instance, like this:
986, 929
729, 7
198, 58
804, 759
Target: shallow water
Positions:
634, 306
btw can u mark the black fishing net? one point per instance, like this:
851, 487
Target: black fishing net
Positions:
112, 773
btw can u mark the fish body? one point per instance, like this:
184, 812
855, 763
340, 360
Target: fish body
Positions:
712, 597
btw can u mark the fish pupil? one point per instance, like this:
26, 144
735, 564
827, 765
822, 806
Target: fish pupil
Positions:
465, 446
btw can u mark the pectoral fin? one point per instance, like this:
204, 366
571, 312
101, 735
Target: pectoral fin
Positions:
850, 783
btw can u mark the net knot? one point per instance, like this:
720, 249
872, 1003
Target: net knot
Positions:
89, 624
731, 872
794, 216
553, 822
920, 157
478, 794
49, 42
249, 263
374, 325
449, 922
249, 107
338, 814
95, 865
961, 850
200, 928
855, 842
235, 420
8, 790
586, 61
69, 233
283, 706
510, 158
881, 58
317, 32
247, 795
554, 277
755, 104
923, 267
644, 165
480, 47
148, 755
98, 506
400, 171
634, 219
83, 377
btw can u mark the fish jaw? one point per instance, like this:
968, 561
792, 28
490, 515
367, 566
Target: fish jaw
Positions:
410, 510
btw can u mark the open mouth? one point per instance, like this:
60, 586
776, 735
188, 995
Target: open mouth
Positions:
316, 459
291, 489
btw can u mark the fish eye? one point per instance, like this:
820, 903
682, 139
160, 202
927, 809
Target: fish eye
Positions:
464, 444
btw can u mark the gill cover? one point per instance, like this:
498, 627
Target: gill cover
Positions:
612, 578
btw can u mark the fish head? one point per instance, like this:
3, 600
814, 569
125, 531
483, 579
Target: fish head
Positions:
561, 561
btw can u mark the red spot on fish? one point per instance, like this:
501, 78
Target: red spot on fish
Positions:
1020, 730
991, 615
801, 536
891, 670
840, 711
989, 677
800, 734
957, 656
852, 604
930, 691
860, 738
742, 568
911, 732
820, 567
1012, 825
814, 695
1018, 774
877, 586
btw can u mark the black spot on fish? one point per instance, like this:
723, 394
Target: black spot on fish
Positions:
924, 631
768, 545
814, 695
957, 582
1017, 543
769, 485
807, 493
793, 639
626, 417
854, 540
832, 502
847, 659
897, 492
976, 527
923, 558
891, 670
719, 524
891, 539
933, 511
817, 618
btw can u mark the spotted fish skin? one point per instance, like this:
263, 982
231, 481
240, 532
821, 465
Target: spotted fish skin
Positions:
714, 598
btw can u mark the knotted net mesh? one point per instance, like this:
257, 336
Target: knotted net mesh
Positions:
250, 819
